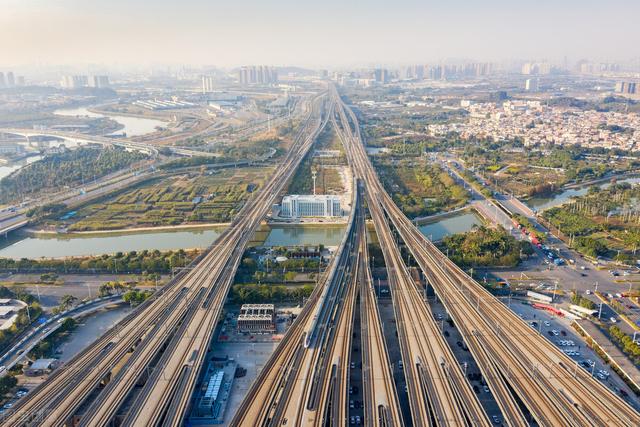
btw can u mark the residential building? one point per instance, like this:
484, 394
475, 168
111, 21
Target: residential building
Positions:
74, 82
99, 81
253, 74
207, 84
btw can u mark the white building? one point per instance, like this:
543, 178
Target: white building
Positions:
297, 206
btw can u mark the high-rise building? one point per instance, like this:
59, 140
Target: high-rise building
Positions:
207, 84
532, 85
381, 75
257, 75
99, 81
11, 81
630, 89
2, 83
20, 81
74, 82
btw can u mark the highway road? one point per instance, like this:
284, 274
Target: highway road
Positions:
163, 341
515, 361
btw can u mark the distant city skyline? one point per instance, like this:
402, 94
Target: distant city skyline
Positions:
320, 34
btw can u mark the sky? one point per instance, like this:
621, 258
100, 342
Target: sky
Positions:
321, 33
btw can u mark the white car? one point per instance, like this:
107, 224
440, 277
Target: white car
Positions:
547, 323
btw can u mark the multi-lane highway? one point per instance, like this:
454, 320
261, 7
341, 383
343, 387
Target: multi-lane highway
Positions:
524, 371
162, 343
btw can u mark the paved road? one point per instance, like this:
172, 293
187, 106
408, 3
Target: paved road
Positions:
38, 332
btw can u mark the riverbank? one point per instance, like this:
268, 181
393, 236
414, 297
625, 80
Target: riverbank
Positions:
125, 231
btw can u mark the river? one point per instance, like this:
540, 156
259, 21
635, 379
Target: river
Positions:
542, 203
133, 126
61, 245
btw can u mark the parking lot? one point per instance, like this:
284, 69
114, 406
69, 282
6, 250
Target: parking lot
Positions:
558, 330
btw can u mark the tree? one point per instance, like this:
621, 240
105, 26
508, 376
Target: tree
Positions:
7, 383
67, 301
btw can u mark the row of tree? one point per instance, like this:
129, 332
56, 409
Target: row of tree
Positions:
144, 261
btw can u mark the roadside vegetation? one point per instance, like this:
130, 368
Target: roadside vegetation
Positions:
626, 344
69, 168
578, 299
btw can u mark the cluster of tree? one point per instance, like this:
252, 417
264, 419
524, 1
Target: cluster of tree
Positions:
7, 383
578, 299
131, 262
570, 222
48, 210
590, 246
136, 297
68, 168
541, 189
626, 343
114, 287
421, 189
254, 293
484, 246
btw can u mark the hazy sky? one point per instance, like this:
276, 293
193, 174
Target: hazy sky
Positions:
313, 33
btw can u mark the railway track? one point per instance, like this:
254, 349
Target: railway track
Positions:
119, 357
381, 404
295, 385
515, 360
439, 393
